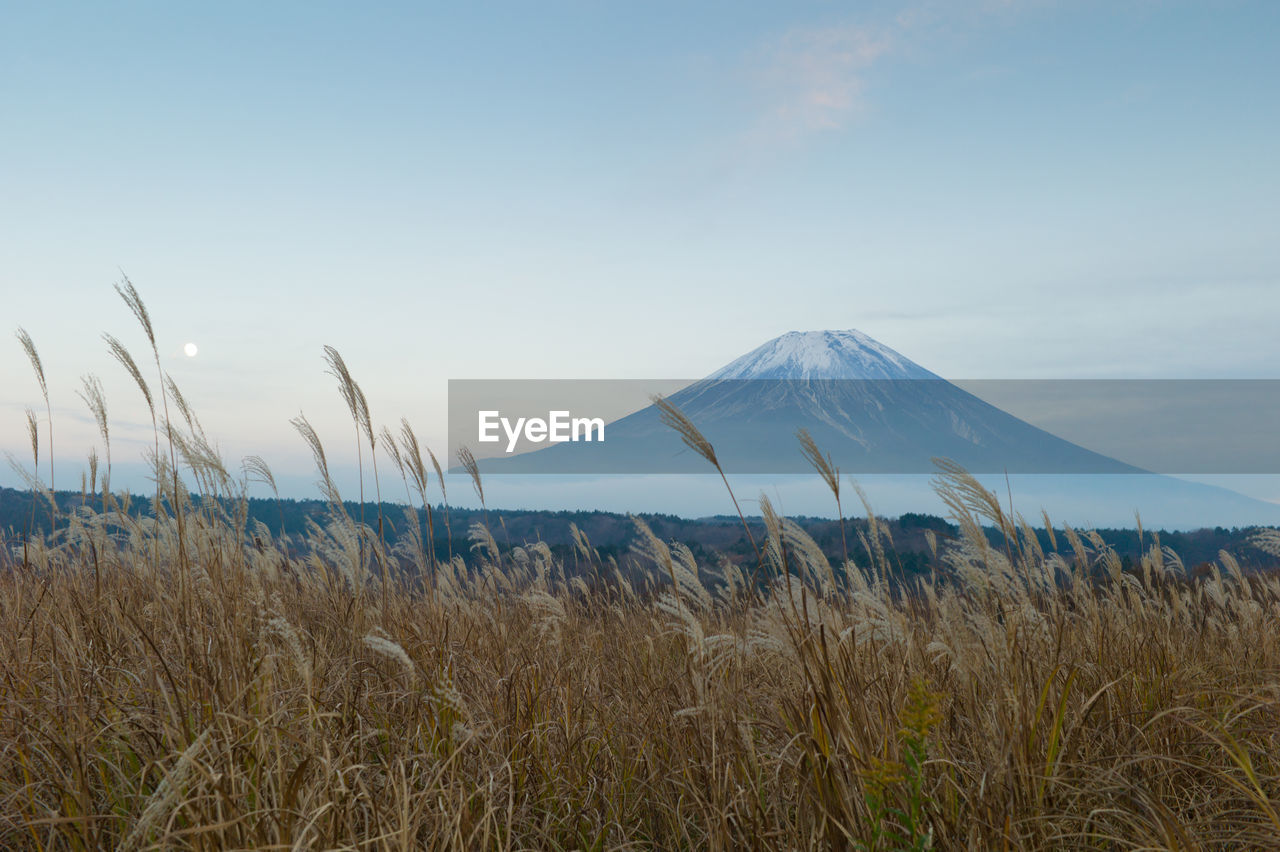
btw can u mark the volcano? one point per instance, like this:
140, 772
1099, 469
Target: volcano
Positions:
872, 409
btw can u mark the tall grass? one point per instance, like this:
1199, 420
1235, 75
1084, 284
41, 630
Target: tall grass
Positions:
283, 694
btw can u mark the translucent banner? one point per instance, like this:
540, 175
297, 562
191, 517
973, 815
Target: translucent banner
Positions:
1193, 426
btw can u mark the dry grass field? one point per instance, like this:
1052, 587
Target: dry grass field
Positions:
182, 681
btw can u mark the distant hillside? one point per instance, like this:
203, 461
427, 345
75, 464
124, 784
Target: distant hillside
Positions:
612, 534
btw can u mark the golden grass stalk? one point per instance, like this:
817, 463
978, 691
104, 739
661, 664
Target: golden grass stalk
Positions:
133, 300
412, 461
33, 432
472, 469
359, 417
257, 469
29, 347
94, 397
694, 439
129, 294
830, 475
358, 405
326, 484
444, 498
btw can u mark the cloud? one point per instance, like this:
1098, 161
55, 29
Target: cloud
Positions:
813, 78
810, 80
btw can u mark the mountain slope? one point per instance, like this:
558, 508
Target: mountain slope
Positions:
882, 418
804, 355
872, 409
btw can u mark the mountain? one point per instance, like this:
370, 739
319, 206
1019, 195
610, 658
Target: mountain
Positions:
881, 417
871, 408
809, 355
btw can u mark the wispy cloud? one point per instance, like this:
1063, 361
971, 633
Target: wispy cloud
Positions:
813, 78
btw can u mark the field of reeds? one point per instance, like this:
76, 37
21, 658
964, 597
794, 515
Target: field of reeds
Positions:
188, 679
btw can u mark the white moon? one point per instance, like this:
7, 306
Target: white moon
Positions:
191, 349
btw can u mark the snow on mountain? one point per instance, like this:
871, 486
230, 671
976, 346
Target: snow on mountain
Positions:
847, 390
802, 355
870, 408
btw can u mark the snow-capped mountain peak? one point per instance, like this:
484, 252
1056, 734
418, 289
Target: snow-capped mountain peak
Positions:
847, 354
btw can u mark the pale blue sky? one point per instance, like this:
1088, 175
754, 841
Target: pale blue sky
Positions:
995, 189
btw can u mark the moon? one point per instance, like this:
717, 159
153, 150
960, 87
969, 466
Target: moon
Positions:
191, 349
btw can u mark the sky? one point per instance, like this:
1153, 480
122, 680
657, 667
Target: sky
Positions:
1011, 189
